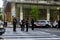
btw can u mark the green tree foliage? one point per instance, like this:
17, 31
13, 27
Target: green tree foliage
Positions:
34, 12
0, 17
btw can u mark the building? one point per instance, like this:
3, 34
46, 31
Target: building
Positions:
0, 11
49, 9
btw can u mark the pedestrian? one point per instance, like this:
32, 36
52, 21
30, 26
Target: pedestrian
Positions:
27, 25
14, 24
5, 23
32, 23
22, 25
59, 24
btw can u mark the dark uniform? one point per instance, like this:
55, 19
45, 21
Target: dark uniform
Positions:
27, 25
32, 23
59, 23
14, 24
23, 25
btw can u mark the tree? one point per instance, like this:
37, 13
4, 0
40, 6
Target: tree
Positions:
34, 12
0, 17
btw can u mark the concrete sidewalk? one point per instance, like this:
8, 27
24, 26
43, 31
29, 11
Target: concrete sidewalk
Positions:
10, 25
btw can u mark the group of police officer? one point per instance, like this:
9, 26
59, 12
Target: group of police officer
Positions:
23, 24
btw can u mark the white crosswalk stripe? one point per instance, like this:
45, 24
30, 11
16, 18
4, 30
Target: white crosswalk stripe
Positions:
30, 35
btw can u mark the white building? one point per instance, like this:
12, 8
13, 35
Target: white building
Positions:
49, 9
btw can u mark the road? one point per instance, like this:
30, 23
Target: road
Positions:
36, 34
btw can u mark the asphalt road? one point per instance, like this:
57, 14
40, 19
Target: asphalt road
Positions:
36, 34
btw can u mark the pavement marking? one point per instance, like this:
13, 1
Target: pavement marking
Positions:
27, 36
12, 37
9, 34
35, 39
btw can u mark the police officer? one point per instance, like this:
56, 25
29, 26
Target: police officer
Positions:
27, 25
23, 25
32, 23
14, 24
59, 24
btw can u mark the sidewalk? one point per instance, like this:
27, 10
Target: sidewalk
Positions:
10, 25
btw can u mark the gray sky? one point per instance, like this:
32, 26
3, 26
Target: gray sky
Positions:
1, 3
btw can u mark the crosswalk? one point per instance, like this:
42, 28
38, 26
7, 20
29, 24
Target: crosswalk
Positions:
33, 37
29, 38
30, 35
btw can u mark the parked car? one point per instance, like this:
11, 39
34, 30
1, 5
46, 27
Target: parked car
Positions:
2, 30
43, 23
